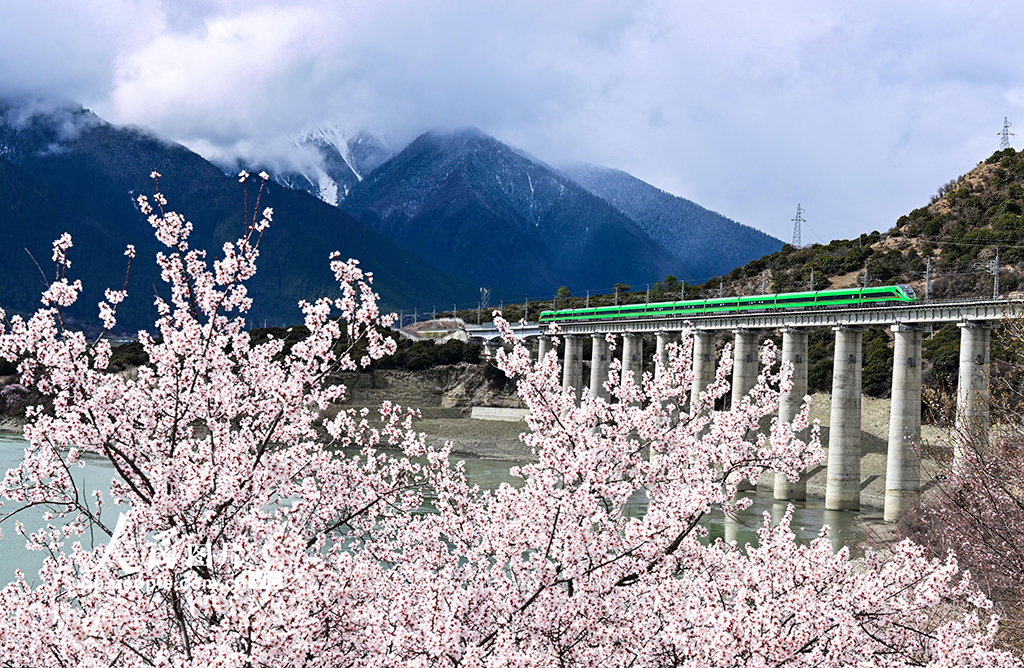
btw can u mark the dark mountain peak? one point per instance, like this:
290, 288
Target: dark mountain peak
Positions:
40, 127
490, 214
84, 181
458, 136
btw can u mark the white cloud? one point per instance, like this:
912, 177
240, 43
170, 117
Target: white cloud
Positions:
858, 110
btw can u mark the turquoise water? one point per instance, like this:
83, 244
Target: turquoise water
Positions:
741, 527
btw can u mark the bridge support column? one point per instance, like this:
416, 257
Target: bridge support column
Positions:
744, 367
842, 488
632, 357
661, 356
903, 468
703, 363
972, 410
794, 351
489, 349
744, 374
543, 346
600, 360
572, 367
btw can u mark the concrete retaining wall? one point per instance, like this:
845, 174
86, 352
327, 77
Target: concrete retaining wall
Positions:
502, 414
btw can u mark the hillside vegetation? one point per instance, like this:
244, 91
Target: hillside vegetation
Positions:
959, 231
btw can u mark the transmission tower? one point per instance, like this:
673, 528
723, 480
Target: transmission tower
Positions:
798, 221
1004, 136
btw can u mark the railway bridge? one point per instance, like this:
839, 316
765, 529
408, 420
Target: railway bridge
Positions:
908, 323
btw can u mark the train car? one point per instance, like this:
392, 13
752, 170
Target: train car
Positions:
785, 300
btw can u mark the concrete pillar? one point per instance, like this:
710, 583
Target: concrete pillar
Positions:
703, 363
732, 529
744, 374
794, 351
903, 468
489, 348
744, 367
842, 488
572, 367
632, 357
600, 360
972, 408
661, 352
543, 346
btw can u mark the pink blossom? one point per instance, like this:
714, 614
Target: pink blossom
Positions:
221, 447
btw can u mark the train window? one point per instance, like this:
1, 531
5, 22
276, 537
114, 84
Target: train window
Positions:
793, 300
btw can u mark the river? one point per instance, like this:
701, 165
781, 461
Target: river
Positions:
808, 516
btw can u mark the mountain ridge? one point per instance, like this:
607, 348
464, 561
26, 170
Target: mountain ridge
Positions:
452, 196
705, 240
94, 170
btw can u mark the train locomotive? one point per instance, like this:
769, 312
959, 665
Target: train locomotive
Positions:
782, 301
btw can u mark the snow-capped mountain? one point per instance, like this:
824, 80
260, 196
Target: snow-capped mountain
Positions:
491, 215
65, 169
338, 162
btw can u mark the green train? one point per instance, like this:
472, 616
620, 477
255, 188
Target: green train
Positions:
786, 300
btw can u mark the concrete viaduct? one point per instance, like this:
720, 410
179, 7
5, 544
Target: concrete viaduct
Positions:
907, 322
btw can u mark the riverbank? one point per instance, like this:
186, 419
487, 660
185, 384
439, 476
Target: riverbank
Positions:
445, 397
12, 425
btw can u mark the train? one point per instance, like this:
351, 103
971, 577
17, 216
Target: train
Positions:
786, 300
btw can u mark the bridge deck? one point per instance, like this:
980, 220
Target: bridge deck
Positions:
936, 312
910, 314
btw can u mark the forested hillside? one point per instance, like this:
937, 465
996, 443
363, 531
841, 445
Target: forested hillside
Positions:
959, 231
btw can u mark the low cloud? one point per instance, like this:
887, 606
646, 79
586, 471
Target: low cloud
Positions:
856, 110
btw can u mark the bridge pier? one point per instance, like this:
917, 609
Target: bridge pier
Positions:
703, 363
543, 346
794, 351
903, 467
572, 367
632, 357
744, 367
842, 487
600, 360
661, 351
972, 410
744, 374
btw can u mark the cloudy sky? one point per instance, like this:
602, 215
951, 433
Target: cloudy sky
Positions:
857, 110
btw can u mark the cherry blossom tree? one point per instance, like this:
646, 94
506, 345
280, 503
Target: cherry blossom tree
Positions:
254, 529
975, 508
